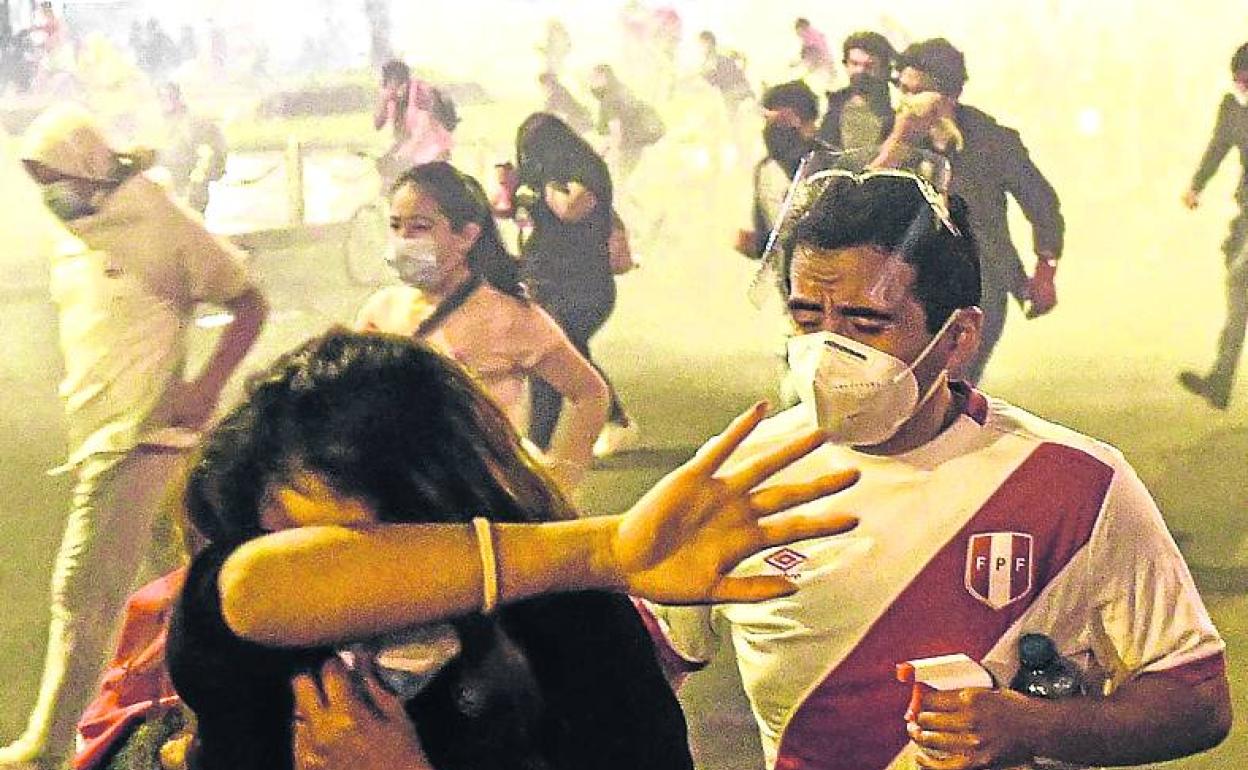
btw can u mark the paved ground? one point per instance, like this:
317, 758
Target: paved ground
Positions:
687, 351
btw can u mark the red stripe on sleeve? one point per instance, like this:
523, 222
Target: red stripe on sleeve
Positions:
1196, 672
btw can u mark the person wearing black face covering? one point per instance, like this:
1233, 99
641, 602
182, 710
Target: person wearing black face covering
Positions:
861, 114
791, 111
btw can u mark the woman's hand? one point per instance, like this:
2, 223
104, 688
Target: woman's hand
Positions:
572, 202
680, 541
348, 719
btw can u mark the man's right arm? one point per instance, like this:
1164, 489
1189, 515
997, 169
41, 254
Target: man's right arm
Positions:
1219, 145
1150, 633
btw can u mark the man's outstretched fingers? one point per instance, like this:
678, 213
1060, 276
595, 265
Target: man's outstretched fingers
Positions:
781, 497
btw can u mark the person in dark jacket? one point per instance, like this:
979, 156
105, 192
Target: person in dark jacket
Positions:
1231, 130
861, 113
990, 164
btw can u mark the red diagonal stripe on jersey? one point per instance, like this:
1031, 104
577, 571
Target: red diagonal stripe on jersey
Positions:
853, 718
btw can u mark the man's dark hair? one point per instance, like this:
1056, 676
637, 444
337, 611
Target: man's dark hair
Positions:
892, 215
1239, 62
801, 23
873, 43
938, 58
707, 36
395, 71
794, 95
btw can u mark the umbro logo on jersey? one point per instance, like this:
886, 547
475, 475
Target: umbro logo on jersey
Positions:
999, 567
786, 560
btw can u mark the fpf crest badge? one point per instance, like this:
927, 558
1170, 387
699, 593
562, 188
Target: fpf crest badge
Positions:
999, 567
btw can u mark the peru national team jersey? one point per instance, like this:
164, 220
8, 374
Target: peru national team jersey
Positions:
1003, 525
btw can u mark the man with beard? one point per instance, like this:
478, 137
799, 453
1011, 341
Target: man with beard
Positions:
861, 114
791, 111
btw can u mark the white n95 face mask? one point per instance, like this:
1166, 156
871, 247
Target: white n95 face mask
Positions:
415, 261
861, 396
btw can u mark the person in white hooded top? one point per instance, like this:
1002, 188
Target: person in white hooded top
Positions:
126, 286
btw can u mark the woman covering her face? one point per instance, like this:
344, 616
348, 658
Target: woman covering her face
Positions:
462, 294
566, 257
309, 493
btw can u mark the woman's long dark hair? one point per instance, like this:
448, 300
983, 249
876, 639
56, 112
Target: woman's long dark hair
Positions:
380, 418
462, 200
391, 422
546, 146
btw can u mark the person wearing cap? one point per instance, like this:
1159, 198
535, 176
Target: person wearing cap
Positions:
978, 523
861, 113
127, 278
990, 164
1231, 130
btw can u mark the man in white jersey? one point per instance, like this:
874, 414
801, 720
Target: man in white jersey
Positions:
979, 523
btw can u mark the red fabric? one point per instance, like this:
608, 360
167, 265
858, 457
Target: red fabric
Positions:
136, 682
1196, 672
853, 719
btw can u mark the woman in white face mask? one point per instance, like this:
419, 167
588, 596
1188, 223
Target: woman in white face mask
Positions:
461, 292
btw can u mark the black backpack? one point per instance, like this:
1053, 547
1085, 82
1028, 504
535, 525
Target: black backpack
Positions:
443, 109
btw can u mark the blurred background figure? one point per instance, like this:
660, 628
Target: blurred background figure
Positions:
651, 39
155, 51
195, 152
50, 32
725, 72
566, 258
989, 163
627, 124
861, 113
1231, 130
559, 101
555, 47
410, 106
814, 58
